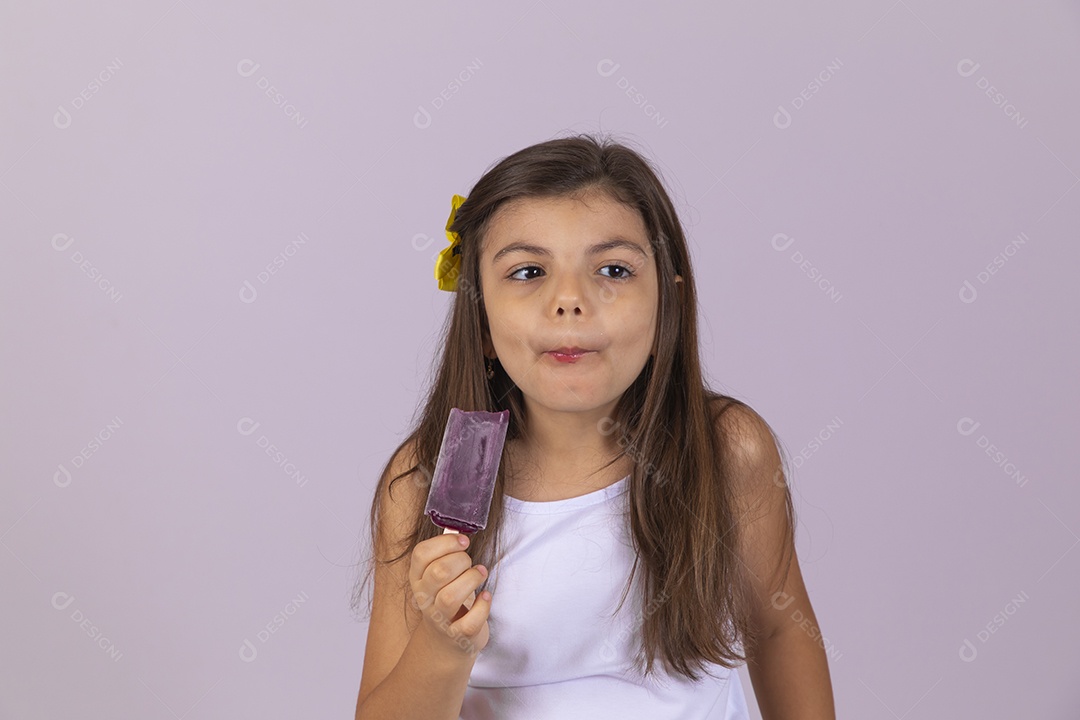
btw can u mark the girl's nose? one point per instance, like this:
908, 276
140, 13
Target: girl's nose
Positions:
569, 294
569, 307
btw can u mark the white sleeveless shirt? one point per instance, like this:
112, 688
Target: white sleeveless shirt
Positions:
554, 649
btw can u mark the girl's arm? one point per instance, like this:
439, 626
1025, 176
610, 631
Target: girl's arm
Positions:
791, 672
407, 673
425, 684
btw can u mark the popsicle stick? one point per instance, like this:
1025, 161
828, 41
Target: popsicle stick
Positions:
450, 530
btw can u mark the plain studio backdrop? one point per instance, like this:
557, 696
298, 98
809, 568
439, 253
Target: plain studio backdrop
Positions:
219, 314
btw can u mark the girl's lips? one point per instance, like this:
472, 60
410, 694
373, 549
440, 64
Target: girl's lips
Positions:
568, 357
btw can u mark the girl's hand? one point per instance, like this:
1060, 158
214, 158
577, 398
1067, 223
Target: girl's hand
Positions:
442, 579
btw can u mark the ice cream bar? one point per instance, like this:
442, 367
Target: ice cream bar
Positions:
460, 494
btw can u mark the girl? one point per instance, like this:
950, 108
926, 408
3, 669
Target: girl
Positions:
623, 478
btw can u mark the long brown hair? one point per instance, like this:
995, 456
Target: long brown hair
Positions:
696, 594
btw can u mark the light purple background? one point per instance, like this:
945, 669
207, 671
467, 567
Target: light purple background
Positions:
178, 180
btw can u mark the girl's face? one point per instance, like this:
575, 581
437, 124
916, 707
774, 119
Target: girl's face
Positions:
564, 273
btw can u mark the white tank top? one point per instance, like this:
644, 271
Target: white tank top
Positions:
554, 649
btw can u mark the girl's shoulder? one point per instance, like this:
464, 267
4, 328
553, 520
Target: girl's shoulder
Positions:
733, 417
746, 437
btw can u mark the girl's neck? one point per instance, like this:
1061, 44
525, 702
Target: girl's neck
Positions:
544, 477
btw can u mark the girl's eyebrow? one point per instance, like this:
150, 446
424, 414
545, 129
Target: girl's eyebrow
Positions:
616, 242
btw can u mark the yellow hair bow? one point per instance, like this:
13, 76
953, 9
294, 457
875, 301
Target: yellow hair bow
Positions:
448, 264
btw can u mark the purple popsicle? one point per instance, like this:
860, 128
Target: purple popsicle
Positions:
461, 488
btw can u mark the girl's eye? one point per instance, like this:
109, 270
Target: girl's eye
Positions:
623, 272
522, 269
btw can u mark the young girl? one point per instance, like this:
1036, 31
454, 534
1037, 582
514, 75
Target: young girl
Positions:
640, 542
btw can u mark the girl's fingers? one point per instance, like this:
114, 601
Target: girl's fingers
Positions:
473, 621
453, 596
430, 550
